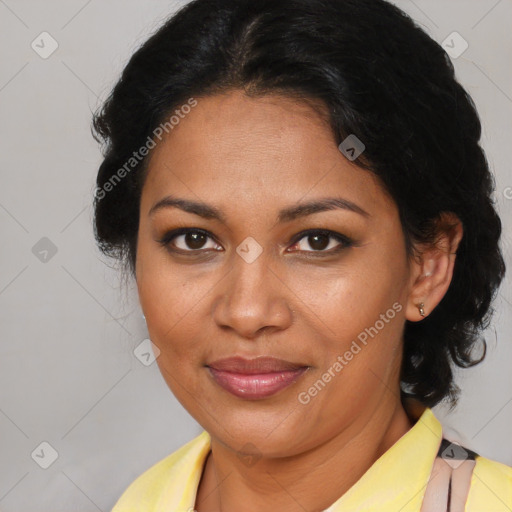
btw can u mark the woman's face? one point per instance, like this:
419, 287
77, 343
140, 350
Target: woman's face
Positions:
250, 283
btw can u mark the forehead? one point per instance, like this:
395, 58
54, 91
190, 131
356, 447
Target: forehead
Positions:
256, 150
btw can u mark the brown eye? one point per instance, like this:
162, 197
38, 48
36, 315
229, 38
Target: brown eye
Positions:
195, 240
318, 242
188, 240
322, 241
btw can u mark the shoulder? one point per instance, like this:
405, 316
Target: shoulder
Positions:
491, 487
166, 478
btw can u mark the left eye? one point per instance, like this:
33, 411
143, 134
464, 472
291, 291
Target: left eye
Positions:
319, 241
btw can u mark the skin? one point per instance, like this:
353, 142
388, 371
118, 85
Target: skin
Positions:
249, 158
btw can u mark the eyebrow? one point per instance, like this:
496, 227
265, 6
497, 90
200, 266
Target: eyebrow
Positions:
285, 215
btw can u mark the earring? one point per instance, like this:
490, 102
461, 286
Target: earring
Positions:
420, 307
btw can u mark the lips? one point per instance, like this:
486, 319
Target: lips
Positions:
255, 378
254, 366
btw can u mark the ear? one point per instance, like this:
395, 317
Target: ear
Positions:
431, 270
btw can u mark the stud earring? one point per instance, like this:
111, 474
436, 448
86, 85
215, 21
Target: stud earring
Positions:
420, 307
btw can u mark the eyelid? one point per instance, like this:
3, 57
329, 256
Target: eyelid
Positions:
321, 231
169, 236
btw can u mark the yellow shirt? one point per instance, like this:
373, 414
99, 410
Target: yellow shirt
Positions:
395, 482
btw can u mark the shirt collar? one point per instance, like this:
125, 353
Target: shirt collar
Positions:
395, 482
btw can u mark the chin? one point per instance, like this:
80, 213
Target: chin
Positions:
270, 434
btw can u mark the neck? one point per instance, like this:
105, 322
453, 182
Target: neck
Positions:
310, 481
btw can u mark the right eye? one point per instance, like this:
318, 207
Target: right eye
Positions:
183, 240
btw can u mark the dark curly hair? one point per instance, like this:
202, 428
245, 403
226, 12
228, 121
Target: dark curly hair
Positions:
380, 77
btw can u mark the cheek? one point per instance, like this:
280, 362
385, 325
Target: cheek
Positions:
357, 309
171, 300
346, 299
172, 307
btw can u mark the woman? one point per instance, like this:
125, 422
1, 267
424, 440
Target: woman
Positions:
298, 189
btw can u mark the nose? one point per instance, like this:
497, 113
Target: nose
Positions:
253, 299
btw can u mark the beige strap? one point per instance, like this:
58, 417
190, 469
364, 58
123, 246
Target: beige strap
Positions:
448, 485
436, 494
461, 481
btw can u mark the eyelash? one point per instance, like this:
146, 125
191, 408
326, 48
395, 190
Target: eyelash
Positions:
345, 242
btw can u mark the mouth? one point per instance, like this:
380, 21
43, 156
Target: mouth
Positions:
255, 379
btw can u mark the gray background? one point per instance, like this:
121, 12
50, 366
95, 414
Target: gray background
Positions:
69, 325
